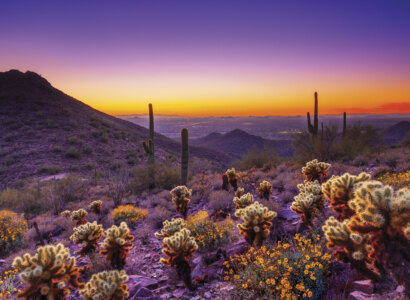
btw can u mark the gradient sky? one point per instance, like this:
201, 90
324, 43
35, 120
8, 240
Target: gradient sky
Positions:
215, 57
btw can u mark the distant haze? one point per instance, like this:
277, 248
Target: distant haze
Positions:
213, 58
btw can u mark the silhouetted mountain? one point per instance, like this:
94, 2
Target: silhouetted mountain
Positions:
239, 142
397, 132
43, 130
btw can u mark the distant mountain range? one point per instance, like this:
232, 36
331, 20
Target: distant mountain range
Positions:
44, 131
238, 142
397, 132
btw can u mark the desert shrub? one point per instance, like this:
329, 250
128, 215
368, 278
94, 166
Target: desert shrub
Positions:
50, 170
73, 152
8, 284
209, 235
88, 150
201, 188
398, 180
166, 177
359, 140
128, 213
158, 215
221, 201
144, 235
294, 270
12, 229
257, 159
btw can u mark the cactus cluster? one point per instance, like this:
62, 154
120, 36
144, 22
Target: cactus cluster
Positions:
178, 245
232, 178
169, 228
180, 198
116, 245
376, 236
239, 192
265, 189
256, 223
66, 213
96, 206
78, 217
243, 201
309, 202
339, 190
315, 170
87, 235
106, 286
49, 273
179, 248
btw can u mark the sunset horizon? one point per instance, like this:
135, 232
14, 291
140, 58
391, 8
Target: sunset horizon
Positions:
266, 60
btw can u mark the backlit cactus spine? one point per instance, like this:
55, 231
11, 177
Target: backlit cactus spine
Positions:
78, 217
265, 189
180, 198
184, 156
49, 273
106, 286
179, 248
315, 170
309, 202
232, 178
116, 245
169, 228
87, 236
256, 223
340, 189
149, 148
243, 201
96, 206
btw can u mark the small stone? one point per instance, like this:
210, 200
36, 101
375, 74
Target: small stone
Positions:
207, 295
144, 292
365, 286
147, 256
400, 289
356, 295
178, 293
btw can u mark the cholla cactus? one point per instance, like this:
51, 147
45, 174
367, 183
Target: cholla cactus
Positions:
383, 213
349, 247
265, 189
339, 190
88, 236
116, 245
106, 286
169, 228
315, 170
96, 206
232, 178
78, 216
243, 201
66, 213
180, 197
179, 248
257, 222
48, 273
239, 192
309, 202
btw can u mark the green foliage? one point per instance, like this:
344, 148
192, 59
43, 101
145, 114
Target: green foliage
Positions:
295, 270
12, 229
257, 159
73, 152
51, 170
106, 286
209, 235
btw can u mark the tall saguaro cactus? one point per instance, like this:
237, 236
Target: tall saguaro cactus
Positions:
184, 156
344, 124
150, 148
313, 129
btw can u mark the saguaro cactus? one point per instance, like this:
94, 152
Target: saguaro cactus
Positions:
150, 147
344, 124
184, 156
313, 129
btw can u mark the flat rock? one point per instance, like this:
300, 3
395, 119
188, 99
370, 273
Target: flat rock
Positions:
356, 295
365, 286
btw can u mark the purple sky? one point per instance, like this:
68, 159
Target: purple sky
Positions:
212, 50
